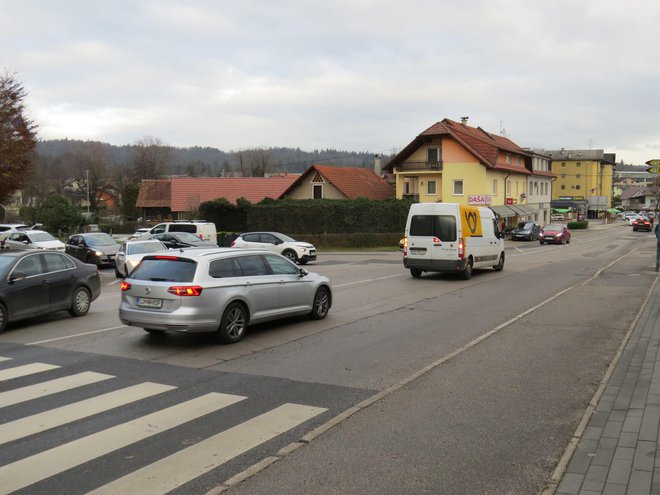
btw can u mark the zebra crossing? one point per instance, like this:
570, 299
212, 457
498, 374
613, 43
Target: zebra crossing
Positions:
32, 466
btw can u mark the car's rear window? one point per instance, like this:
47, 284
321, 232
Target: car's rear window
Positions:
441, 226
165, 269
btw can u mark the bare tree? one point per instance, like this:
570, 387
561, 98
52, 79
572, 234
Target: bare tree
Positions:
256, 162
151, 158
18, 137
90, 163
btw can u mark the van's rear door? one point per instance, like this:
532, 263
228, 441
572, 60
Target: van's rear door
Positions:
433, 237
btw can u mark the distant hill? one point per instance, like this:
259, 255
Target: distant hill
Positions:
207, 161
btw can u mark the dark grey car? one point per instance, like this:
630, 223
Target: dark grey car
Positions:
97, 248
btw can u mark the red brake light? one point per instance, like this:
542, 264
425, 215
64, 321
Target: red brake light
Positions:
461, 248
233, 242
124, 286
436, 240
185, 290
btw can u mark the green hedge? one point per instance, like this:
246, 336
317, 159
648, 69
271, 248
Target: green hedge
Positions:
578, 225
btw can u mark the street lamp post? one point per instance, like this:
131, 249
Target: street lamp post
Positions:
87, 182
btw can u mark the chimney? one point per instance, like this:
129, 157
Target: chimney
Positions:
464, 120
378, 164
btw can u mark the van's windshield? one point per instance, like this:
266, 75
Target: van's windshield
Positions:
441, 226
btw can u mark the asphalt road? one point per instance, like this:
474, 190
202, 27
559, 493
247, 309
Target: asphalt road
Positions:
431, 385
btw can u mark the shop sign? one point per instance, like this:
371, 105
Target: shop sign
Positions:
480, 199
511, 201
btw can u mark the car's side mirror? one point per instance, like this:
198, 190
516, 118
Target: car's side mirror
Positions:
26, 242
303, 272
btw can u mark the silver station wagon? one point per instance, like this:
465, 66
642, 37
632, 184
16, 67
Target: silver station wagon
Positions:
219, 290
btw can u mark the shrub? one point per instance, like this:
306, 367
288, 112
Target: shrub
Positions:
578, 225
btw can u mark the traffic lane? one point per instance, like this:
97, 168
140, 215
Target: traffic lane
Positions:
493, 419
378, 350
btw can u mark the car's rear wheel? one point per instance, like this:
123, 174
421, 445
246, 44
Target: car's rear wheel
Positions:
4, 317
321, 304
291, 255
233, 323
415, 272
500, 263
466, 274
80, 302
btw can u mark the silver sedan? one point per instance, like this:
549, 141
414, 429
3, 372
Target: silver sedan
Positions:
220, 290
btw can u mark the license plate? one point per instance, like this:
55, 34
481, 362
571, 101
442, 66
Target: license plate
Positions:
149, 302
417, 251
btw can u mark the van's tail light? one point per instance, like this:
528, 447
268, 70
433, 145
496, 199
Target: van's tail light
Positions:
124, 286
436, 240
233, 242
185, 290
461, 248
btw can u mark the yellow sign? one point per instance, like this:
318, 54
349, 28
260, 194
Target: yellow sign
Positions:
470, 221
654, 166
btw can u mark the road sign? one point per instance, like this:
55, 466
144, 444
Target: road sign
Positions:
654, 166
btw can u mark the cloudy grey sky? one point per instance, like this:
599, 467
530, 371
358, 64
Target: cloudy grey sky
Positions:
355, 75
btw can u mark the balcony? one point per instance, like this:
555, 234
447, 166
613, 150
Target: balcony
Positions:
432, 166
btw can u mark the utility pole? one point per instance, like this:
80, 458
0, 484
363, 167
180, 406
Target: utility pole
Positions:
87, 182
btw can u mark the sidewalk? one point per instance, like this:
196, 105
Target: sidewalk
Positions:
617, 452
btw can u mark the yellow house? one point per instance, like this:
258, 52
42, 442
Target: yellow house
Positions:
584, 180
452, 162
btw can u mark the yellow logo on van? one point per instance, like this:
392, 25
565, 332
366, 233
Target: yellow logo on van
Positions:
470, 221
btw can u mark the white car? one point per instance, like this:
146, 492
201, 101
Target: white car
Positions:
130, 253
629, 218
33, 239
297, 251
139, 233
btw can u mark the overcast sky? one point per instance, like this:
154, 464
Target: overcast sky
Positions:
354, 75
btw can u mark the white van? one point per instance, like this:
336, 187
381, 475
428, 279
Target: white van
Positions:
448, 237
206, 231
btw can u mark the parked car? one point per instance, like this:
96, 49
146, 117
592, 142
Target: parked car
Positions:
632, 217
219, 290
555, 233
8, 228
526, 231
176, 240
642, 223
95, 248
139, 233
33, 239
297, 251
33, 283
206, 231
130, 254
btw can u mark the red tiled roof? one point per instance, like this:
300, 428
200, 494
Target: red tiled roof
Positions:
352, 182
154, 193
188, 192
482, 144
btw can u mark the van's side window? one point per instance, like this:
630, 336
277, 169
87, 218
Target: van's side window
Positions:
441, 226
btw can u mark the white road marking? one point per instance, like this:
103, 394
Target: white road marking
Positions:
27, 369
366, 281
50, 387
173, 471
33, 469
2, 358
91, 332
37, 423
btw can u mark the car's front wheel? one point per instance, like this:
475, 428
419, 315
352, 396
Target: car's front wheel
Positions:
500, 263
4, 317
233, 323
291, 255
321, 304
80, 302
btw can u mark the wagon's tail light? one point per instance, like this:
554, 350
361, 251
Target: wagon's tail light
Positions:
461, 248
185, 290
233, 242
124, 286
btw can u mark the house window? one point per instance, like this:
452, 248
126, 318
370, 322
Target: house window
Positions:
430, 188
458, 187
563, 187
578, 164
494, 186
508, 158
577, 186
318, 191
577, 176
563, 164
508, 188
434, 156
563, 176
